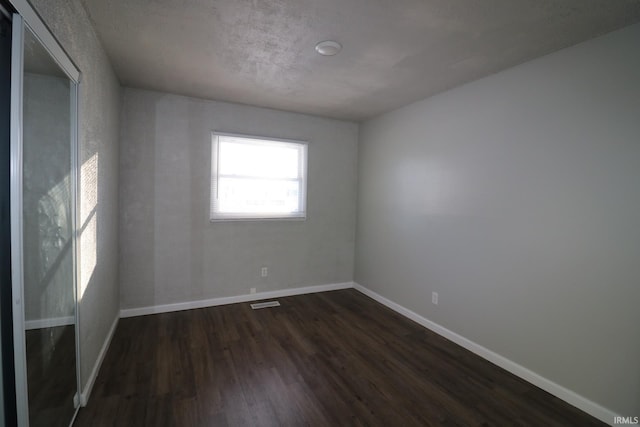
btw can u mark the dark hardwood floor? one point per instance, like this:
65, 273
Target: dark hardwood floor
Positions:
329, 359
51, 375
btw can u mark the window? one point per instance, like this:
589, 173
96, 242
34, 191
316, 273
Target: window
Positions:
257, 178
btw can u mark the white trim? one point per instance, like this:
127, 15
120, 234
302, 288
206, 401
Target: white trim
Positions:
17, 267
580, 402
86, 392
166, 308
51, 322
266, 138
49, 42
76, 405
75, 206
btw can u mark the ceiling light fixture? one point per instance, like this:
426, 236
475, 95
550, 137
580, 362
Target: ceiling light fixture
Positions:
328, 48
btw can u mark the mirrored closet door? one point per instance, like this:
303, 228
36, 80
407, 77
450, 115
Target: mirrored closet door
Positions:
44, 189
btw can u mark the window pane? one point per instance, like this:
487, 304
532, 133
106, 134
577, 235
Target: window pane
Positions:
246, 195
256, 178
246, 157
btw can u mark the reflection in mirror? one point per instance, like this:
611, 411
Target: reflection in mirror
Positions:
48, 238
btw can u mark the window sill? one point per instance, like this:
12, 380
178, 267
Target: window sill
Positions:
259, 219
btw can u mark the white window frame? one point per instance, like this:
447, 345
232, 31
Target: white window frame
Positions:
216, 216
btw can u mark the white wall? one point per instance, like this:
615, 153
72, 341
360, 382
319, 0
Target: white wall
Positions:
517, 199
98, 136
170, 252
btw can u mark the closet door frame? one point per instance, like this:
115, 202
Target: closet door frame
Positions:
27, 18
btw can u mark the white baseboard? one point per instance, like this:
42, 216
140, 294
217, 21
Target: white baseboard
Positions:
580, 402
166, 308
86, 391
49, 323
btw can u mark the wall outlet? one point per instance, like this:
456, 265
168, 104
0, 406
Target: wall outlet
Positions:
252, 290
264, 272
434, 298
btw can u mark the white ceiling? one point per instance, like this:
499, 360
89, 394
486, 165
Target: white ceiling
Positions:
261, 52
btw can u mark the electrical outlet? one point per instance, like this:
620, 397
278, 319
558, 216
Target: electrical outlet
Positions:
252, 290
264, 272
434, 298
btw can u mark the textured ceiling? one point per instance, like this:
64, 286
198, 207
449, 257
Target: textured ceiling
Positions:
261, 52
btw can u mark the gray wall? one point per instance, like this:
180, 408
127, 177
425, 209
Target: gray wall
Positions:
170, 252
99, 124
517, 199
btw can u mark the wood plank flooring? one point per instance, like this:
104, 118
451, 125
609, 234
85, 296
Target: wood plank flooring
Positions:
329, 359
51, 375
